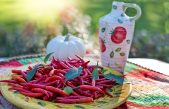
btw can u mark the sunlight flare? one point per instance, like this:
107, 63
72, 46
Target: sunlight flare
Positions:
44, 10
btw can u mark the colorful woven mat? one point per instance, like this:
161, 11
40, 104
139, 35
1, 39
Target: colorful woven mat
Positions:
150, 88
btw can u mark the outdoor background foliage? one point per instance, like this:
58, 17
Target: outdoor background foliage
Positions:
23, 31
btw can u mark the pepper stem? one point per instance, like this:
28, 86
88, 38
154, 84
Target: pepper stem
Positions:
67, 37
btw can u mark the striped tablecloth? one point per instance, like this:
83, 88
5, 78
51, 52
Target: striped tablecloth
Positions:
150, 88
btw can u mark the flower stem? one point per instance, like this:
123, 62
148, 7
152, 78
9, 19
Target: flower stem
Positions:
67, 37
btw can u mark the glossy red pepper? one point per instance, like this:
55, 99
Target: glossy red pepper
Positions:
92, 88
56, 90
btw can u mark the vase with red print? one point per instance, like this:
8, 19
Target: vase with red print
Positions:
115, 35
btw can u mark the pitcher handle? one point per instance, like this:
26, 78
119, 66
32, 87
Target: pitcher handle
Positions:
136, 7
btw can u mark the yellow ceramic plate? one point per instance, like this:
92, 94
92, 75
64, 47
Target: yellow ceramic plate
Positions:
119, 92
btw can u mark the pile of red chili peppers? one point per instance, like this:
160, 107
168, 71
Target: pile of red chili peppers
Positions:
49, 82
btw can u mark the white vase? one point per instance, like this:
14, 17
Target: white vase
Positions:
115, 34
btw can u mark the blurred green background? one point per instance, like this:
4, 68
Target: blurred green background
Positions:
27, 25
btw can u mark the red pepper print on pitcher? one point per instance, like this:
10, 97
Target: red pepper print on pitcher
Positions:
118, 35
102, 45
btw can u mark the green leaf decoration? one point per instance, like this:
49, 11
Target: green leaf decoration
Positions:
112, 54
41, 103
47, 57
120, 21
122, 15
101, 102
104, 41
118, 79
122, 54
118, 50
116, 64
112, 32
103, 29
103, 71
79, 107
32, 72
108, 64
131, 20
128, 41
73, 73
114, 7
68, 90
16, 92
95, 74
117, 93
65, 30
109, 90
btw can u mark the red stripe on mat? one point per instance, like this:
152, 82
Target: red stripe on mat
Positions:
146, 107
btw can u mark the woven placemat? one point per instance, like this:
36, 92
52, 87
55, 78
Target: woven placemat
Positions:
150, 88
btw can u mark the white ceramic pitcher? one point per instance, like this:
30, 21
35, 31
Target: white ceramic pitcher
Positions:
115, 35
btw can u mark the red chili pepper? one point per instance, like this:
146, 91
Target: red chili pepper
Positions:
38, 74
88, 71
93, 82
60, 85
81, 81
9, 81
81, 92
19, 72
34, 85
45, 98
46, 70
50, 94
61, 75
62, 71
107, 93
70, 84
15, 85
69, 65
71, 97
101, 79
40, 91
69, 58
56, 90
52, 83
52, 72
74, 93
18, 78
106, 81
54, 78
104, 85
19, 89
56, 71
30, 94
98, 95
80, 58
84, 65
66, 70
92, 88
63, 65
29, 67
85, 73
23, 74
38, 80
